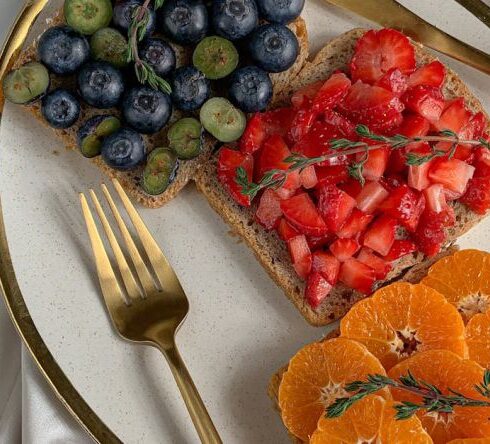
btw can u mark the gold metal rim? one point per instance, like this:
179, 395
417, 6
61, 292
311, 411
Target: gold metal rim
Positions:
9, 286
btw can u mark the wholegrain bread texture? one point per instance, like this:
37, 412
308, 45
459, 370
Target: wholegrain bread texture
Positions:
130, 180
269, 249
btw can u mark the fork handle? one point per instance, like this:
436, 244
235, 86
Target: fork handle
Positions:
197, 410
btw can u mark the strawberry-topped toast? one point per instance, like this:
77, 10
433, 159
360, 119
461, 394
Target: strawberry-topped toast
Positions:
374, 162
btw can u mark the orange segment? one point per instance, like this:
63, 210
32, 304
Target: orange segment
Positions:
478, 339
464, 278
445, 369
401, 319
470, 441
315, 378
370, 420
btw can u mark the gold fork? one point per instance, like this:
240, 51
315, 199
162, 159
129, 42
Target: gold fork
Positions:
153, 312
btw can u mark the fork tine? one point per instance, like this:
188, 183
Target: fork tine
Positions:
144, 275
110, 287
155, 255
126, 273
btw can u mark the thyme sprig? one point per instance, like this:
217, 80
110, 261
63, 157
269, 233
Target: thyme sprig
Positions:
342, 147
136, 33
433, 400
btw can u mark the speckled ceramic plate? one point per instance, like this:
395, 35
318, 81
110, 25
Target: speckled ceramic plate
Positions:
240, 328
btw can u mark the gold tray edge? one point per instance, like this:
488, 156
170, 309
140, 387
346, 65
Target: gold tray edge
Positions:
9, 287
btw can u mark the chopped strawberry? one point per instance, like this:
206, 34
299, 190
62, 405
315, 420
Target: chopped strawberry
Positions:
430, 74
343, 249
286, 231
482, 162
351, 186
301, 124
400, 248
371, 196
380, 266
331, 92
475, 127
380, 235
452, 173
335, 206
269, 212
333, 174
454, 117
300, 255
395, 81
397, 162
426, 101
254, 135
435, 198
316, 242
404, 204
228, 162
308, 177
327, 265
477, 196
377, 52
392, 181
431, 234
300, 211
341, 123
418, 176
376, 163
357, 275
414, 125
317, 289
355, 224
302, 97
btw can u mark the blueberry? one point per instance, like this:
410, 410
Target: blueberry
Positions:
100, 84
60, 108
280, 11
124, 149
146, 109
63, 50
93, 131
250, 89
274, 47
184, 21
26, 84
234, 19
109, 45
123, 16
88, 16
158, 54
190, 88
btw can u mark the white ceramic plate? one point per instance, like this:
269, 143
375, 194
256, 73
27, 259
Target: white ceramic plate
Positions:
240, 329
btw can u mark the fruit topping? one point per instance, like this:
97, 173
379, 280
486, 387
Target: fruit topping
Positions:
285, 230
159, 173
184, 21
124, 11
430, 234
250, 89
190, 88
426, 101
376, 163
60, 108
301, 212
93, 131
269, 211
400, 248
343, 249
317, 289
279, 11
302, 97
26, 84
371, 196
123, 149
159, 55
477, 196
215, 57
380, 235
452, 173
109, 45
63, 50
234, 19
404, 204
327, 265
380, 266
274, 47
307, 177
331, 92
356, 223
354, 274
300, 255
220, 118
395, 81
431, 74
185, 138
88, 16
335, 206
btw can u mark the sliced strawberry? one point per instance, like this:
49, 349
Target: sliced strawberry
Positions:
380, 235
426, 101
431, 74
418, 176
285, 230
269, 212
327, 265
331, 174
431, 234
341, 123
301, 124
355, 224
254, 135
405, 205
316, 242
351, 186
475, 128
356, 275
454, 117
335, 206
317, 289
392, 181
414, 125
371, 196
331, 92
397, 162
302, 97
452, 173
343, 249
435, 198
279, 120
400, 248
228, 162
300, 255
380, 266
482, 162
377, 52
477, 196
395, 81
300, 211
308, 177
376, 163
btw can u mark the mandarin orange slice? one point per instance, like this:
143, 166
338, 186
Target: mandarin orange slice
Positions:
315, 379
478, 339
401, 319
445, 370
464, 279
370, 420
470, 441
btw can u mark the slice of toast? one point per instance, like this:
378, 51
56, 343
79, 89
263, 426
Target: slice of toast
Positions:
269, 249
187, 169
